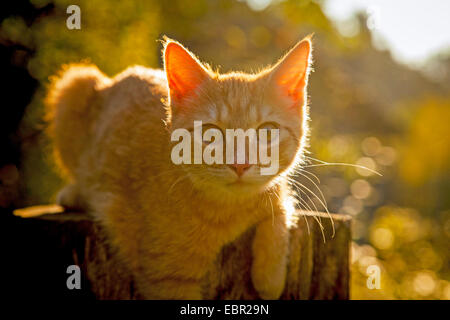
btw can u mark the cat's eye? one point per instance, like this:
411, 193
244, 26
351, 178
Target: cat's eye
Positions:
206, 126
268, 126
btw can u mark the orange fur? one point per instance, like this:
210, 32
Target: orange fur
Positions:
169, 222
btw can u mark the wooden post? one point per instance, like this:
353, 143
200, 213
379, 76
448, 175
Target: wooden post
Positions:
317, 269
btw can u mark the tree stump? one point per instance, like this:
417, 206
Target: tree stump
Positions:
46, 241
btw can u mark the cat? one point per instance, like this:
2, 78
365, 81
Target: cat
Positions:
112, 140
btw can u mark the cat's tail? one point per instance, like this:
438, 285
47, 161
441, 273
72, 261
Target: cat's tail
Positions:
72, 107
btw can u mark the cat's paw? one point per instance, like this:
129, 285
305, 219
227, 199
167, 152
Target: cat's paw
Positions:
269, 266
269, 281
270, 250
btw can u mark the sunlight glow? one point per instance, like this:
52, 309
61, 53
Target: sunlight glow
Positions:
413, 30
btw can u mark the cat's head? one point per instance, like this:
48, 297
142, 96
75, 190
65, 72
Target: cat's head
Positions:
273, 99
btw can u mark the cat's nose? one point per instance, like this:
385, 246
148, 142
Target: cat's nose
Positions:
240, 168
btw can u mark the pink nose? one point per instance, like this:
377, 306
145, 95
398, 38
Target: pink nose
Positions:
240, 168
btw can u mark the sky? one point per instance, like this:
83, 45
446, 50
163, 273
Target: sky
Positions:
413, 30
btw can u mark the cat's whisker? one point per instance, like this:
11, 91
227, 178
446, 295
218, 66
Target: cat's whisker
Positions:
309, 207
321, 229
301, 186
317, 187
304, 216
176, 182
324, 204
271, 206
296, 169
303, 205
307, 224
299, 190
324, 163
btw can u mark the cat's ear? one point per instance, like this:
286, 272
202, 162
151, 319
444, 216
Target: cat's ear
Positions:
289, 76
183, 71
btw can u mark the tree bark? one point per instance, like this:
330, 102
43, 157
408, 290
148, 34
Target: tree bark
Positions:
318, 265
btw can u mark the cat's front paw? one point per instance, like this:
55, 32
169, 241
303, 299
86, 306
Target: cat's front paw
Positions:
270, 253
269, 282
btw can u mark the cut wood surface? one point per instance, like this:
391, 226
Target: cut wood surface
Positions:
318, 268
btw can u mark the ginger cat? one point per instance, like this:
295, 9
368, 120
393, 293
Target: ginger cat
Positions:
112, 138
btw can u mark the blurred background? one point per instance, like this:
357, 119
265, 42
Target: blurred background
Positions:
380, 98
